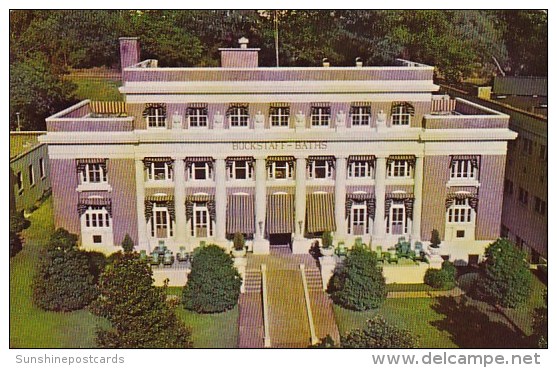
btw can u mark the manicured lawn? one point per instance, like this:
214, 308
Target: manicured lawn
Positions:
31, 327
219, 330
95, 87
414, 314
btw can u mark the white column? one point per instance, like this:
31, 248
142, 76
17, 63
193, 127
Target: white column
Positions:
379, 222
220, 199
260, 244
418, 187
180, 200
300, 197
340, 197
142, 240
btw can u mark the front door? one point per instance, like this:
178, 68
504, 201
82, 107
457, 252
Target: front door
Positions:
398, 220
201, 223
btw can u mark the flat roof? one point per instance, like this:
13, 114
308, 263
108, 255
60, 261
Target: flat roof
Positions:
21, 142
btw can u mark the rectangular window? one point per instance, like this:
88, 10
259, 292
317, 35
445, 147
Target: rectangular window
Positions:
31, 176
360, 116
197, 117
94, 173
540, 205
527, 146
200, 171
399, 169
460, 233
320, 116
156, 118
97, 239
238, 116
462, 169
360, 169
202, 225
460, 211
280, 170
160, 171
42, 171
523, 196
97, 217
279, 116
320, 169
240, 170
543, 152
19, 180
400, 116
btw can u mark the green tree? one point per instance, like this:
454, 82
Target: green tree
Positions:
435, 239
127, 244
64, 280
359, 284
36, 92
138, 312
378, 334
214, 283
540, 324
506, 278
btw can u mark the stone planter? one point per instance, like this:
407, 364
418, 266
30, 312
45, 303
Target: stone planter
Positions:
238, 253
433, 251
327, 252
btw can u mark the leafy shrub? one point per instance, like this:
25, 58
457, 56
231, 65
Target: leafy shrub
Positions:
127, 244
542, 272
327, 239
359, 284
64, 281
239, 241
540, 324
506, 279
444, 278
18, 222
214, 283
138, 312
378, 334
325, 343
15, 244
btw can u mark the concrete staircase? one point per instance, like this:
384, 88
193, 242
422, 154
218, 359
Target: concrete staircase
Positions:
251, 312
288, 319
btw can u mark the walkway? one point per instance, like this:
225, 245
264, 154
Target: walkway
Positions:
425, 294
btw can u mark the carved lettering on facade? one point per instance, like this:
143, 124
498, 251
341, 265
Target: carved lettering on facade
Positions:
278, 146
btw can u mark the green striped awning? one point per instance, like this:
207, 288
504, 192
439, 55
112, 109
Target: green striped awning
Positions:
108, 107
280, 213
240, 216
320, 212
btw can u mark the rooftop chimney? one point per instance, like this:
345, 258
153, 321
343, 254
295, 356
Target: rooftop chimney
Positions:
129, 51
242, 57
326, 63
359, 62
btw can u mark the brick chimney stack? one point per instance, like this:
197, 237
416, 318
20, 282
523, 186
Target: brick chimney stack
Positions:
129, 51
242, 57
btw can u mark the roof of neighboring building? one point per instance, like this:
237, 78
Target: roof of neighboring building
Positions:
21, 142
520, 86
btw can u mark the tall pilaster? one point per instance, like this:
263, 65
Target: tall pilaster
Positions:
300, 197
220, 199
340, 197
380, 175
260, 244
418, 187
142, 240
180, 199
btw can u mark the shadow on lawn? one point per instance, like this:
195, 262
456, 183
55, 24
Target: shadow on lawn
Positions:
471, 327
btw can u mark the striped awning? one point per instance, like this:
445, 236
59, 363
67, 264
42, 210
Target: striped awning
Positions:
108, 107
230, 160
208, 199
189, 161
151, 107
329, 159
368, 198
164, 200
406, 198
472, 199
410, 158
81, 162
320, 212
443, 104
84, 203
280, 213
240, 215
320, 104
160, 198
366, 158
407, 107
198, 105
147, 161
361, 103
473, 158
271, 159
280, 104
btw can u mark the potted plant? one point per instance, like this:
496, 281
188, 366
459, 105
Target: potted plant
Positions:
434, 242
327, 244
239, 245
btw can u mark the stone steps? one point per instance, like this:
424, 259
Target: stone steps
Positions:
252, 283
